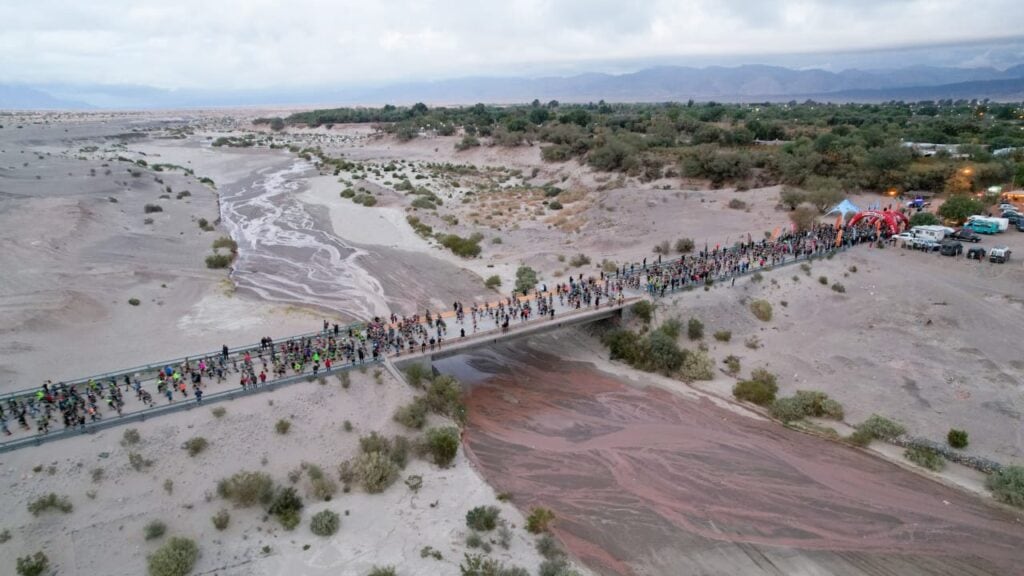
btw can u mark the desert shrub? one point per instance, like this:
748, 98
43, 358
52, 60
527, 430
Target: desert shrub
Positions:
483, 518
493, 281
684, 245
282, 426
555, 205
823, 280
416, 374
97, 475
134, 301
423, 203
246, 489
443, 444
34, 565
400, 451
548, 547
756, 277
286, 507
50, 501
131, 437
154, 529
474, 540
643, 309
957, 438
837, 287
881, 427
925, 457
383, 571
175, 558
1007, 485
556, 567
753, 342
787, 409
694, 329
430, 552
464, 247
151, 208
365, 199
671, 327
732, 364
324, 523
375, 443
225, 242
526, 279
219, 412
204, 224
539, 520
663, 247
196, 445
376, 471
737, 204
221, 519
760, 389
444, 396
697, 365
579, 260
860, 438
138, 462
215, 261
412, 415
723, 335
322, 487
762, 310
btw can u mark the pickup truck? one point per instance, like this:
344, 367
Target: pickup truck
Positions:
951, 248
966, 235
999, 254
925, 244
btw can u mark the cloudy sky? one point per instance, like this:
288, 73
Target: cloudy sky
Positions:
228, 44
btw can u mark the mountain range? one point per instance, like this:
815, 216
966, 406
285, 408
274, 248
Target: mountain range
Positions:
747, 83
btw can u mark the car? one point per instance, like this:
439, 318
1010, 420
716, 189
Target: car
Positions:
999, 254
1004, 207
1020, 225
925, 245
976, 254
906, 238
951, 248
1013, 217
966, 235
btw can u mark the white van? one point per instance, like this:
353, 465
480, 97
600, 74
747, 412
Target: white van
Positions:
936, 233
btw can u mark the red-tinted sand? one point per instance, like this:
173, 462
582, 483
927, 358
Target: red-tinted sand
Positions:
644, 482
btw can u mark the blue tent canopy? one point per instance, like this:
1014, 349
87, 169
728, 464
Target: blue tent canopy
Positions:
845, 208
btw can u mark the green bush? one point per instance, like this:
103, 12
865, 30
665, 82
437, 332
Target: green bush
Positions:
881, 427
924, 219
383, 571
555, 205
175, 558
723, 335
443, 445
823, 280
539, 520
760, 389
131, 437
134, 301
196, 445
697, 365
957, 438
925, 457
376, 471
151, 208
282, 426
762, 310
423, 203
215, 261
1007, 485
644, 310
860, 437
412, 415
695, 329
225, 242
34, 565
548, 547
806, 403
732, 364
246, 489
444, 396
837, 287
221, 519
526, 279
154, 529
324, 523
556, 567
464, 247
787, 409
375, 443
48, 502
286, 507
416, 374
483, 518
579, 260
493, 281
365, 199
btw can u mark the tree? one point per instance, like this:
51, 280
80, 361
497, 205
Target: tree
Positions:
923, 219
526, 279
792, 197
958, 208
277, 124
823, 193
804, 217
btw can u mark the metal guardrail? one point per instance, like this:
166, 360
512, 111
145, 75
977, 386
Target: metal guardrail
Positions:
143, 414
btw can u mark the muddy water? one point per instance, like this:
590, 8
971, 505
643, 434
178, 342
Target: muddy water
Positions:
287, 251
645, 482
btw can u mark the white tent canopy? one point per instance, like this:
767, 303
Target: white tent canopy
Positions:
845, 208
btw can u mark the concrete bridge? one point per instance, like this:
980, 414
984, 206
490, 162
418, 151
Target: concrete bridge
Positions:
135, 411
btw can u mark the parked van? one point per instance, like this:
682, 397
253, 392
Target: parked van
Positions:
1002, 224
982, 226
936, 233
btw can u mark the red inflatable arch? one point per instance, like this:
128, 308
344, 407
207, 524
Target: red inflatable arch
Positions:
894, 222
